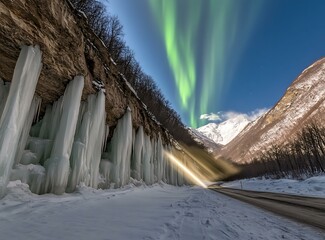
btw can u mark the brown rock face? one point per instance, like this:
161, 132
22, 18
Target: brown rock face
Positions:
69, 48
304, 101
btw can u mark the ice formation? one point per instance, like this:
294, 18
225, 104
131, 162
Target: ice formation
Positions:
68, 146
138, 154
15, 111
57, 166
120, 149
88, 143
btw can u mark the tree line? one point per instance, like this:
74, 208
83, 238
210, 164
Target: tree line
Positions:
303, 156
109, 29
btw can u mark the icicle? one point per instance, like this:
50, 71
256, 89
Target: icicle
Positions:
147, 158
32, 114
138, 154
78, 153
121, 147
160, 160
89, 141
57, 166
106, 136
16, 109
96, 138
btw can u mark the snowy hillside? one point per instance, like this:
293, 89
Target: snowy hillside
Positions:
303, 102
226, 131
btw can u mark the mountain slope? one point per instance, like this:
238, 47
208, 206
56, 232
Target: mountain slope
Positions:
304, 101
202, 139
224, 132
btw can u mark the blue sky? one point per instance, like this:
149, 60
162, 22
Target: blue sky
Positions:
212, 56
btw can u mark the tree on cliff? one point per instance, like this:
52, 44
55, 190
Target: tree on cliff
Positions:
110, 30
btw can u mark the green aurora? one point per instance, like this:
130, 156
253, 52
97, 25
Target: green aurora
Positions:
203, 40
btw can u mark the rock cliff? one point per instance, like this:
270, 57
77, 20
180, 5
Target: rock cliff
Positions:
69, 48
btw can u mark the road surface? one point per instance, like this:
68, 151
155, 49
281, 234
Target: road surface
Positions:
309, 210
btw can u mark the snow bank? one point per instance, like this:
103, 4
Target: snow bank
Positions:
157, 212
314, 186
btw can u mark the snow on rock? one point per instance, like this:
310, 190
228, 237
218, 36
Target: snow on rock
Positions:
224, 132
16, 109
33, 175
314, 186
113, 61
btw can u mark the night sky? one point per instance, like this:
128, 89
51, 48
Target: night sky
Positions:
217, 56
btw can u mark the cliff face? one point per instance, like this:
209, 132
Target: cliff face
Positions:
304, 101
69, 48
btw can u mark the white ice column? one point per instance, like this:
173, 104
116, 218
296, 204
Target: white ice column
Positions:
147, 158
88, 144
160, 160
138, 154
57, 166
32, 113
96, 137
16, 109
121, 148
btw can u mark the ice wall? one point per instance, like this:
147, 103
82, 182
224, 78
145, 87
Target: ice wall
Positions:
160, 161
120, 149
66, 117
15, 111
72, 153
89, 141
138, 154
148, 162
32, 114
65, 148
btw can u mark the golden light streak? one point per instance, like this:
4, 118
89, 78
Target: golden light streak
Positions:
187, 171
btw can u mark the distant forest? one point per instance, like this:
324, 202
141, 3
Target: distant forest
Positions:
303, 156
110, 30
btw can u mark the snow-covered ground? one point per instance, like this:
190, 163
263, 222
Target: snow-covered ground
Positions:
314, 186
156, 212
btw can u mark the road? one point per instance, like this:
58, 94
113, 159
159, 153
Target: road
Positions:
309, 210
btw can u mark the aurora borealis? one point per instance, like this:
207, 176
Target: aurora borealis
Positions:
199, 39
211, 56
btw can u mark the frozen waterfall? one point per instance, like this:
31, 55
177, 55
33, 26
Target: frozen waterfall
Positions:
15, 112
69, 145
57, 166
89, 141
120, 149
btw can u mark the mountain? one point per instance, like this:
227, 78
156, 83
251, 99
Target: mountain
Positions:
224, 132
202, 139
304, 101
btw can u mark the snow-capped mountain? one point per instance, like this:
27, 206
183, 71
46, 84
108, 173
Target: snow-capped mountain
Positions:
224, 132
304, 101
